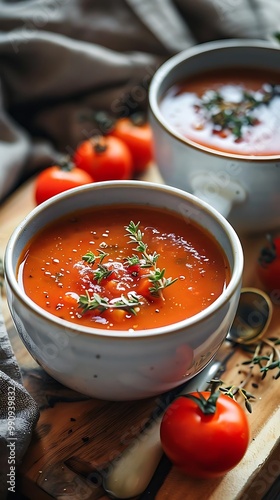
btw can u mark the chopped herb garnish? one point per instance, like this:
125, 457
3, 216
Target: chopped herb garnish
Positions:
233, 116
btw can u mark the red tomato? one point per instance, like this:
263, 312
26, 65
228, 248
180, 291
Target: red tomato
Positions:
134, 269
138, 137
204, 445
105, 158
56, 179
269, 264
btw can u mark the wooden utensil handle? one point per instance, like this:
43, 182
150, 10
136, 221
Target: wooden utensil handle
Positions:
130, 474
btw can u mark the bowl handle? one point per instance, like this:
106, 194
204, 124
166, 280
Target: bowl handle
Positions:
221, 193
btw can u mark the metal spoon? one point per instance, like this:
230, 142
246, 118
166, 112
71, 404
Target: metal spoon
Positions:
252, 317
130, 474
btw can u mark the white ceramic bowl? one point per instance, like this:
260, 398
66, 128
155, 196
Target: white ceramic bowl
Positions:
119, 365
245, 189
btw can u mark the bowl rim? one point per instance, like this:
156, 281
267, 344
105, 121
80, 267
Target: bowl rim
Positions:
233, 286
164, 70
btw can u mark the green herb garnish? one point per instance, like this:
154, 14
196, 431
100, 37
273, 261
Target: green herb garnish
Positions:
233, 116
90, 258
89, 303
132, 301
147, 260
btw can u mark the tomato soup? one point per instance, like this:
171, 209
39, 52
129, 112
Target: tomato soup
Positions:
235, 111
123, 268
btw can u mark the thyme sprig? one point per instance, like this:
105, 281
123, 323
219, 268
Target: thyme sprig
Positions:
102, 271
90, 257
266, 361
147, 260
262, 359
130, 302
234, 390
89, 303
136, 236
233, 116
133, 260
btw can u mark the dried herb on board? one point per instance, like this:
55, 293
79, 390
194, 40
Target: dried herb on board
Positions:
266, 357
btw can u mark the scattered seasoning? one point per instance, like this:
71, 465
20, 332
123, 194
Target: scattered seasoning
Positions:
109, 309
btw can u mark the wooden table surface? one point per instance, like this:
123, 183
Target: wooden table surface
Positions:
77, 435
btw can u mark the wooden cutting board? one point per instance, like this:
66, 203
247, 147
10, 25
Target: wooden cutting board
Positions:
76, 436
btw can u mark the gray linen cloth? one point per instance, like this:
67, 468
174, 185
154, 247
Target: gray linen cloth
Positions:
60, 59
18, 414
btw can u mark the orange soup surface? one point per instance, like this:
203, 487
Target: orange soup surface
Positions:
235, 111
89, 269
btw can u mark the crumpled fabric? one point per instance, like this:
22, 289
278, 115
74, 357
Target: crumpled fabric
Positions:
59, 61
19, 414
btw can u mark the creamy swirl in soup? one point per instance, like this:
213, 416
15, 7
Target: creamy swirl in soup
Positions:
235, 111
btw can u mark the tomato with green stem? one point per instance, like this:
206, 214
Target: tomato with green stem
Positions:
268, 266
59, 178
105, 158
205, 434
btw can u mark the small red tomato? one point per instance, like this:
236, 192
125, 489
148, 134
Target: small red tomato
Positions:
105, 158
56, 179
205, 442
137, 135
134, 269
269, 264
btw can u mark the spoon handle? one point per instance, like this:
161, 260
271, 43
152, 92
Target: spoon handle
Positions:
130, 474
